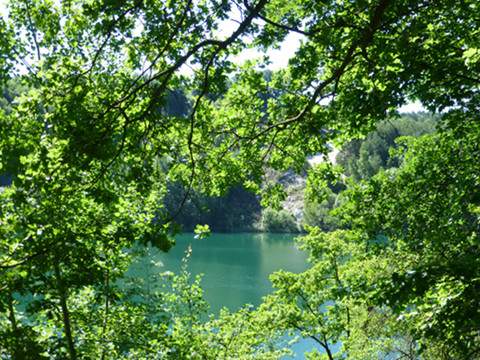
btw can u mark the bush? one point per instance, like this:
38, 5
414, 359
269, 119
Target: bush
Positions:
278, 221
319, 214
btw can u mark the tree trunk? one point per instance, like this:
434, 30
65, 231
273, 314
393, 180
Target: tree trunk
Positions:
65, 314
13, 322
11, 313
107, 307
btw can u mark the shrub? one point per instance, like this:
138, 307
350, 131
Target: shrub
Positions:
278, 221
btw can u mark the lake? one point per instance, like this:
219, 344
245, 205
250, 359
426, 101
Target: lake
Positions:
236, 267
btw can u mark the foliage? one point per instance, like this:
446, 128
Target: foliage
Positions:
166, 314
185, 332
361, 159
409, 257
278, 221
428, 212
319, 212
202, 231
90, 141
327, 303
323, 193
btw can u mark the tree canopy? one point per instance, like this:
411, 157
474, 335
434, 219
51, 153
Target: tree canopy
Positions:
89, 143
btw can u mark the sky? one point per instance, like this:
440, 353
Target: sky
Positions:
3, 7
278, 57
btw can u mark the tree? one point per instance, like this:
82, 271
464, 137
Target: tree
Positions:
427, 211
90, 144
235, 211
364, 158
328, 302
408, 258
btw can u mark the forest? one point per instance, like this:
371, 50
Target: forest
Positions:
125, 122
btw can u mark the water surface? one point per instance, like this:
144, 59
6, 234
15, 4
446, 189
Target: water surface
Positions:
236, 267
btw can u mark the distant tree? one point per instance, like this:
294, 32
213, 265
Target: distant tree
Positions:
236, 210
278, 221
363, 158
320, 214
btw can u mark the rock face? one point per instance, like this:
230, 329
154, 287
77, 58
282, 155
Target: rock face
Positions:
294, 201
295, 185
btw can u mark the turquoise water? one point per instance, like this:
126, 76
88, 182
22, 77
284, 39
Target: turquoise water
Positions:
236, 267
